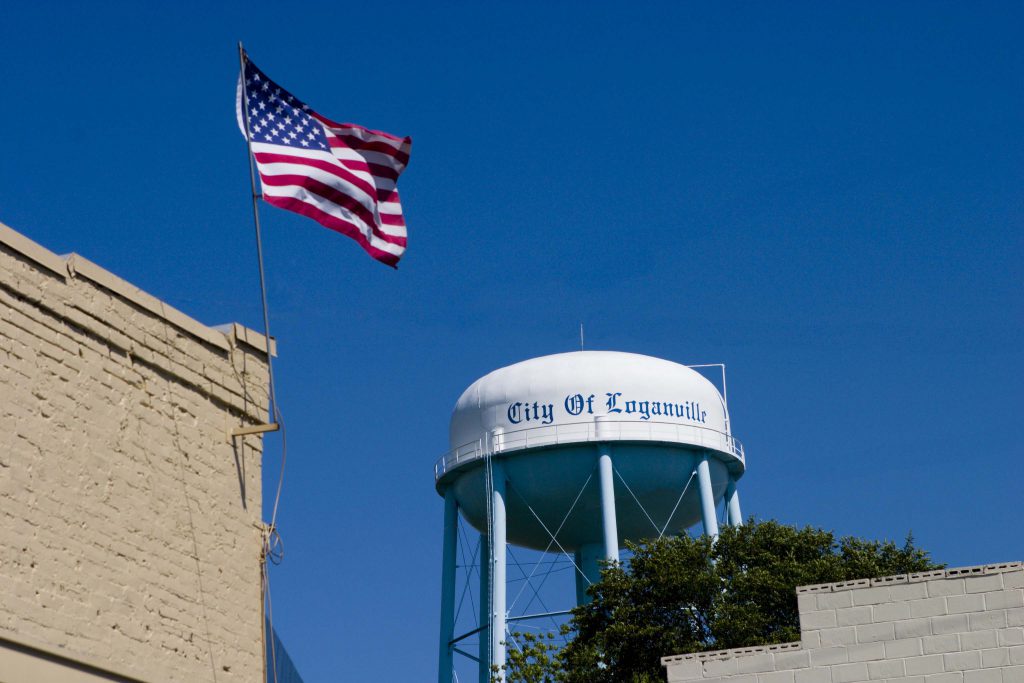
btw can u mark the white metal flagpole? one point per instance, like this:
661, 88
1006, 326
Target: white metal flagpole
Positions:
272, 403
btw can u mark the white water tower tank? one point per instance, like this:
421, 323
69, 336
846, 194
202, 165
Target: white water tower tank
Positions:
580, 452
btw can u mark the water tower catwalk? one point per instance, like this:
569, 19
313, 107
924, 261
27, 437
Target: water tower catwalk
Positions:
577, 453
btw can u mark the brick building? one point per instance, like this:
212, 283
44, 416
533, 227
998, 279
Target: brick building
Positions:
130, 518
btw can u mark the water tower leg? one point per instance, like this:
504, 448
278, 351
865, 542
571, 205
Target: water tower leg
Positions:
581, 582
707, 498
451, 539
588, 559
498, 587
484, 651
732, 501
609, 523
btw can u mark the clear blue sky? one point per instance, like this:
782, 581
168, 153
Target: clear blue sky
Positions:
827, 197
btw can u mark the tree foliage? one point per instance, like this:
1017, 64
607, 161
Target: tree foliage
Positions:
684, 594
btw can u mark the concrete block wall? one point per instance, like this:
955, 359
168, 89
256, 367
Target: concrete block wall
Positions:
962, 625
130, 523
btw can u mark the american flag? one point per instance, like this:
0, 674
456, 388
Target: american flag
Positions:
339, 174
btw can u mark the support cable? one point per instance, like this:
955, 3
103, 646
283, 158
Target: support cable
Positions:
637, 500
469, 574
536, 591
572, 507
678, 501
544, 526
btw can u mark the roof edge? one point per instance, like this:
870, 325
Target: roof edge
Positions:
73, 265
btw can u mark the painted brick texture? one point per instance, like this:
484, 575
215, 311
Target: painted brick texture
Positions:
130, 524
962, 625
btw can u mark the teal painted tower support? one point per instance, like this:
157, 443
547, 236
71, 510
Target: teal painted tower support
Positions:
484, 651
449, 550
608, 522
732, 504
707, 498
588, 559
498, 552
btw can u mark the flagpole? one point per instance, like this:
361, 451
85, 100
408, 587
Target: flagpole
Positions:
272, 403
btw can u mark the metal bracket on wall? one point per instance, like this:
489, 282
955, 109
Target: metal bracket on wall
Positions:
255, 429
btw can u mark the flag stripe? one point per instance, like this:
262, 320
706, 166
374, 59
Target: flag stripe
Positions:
334, 223
394, 245
279, 162
309, 181
379, 148
328, 195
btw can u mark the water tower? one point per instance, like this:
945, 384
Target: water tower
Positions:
577, 453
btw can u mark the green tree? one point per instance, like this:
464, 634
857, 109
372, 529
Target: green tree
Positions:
534, 659
684, 594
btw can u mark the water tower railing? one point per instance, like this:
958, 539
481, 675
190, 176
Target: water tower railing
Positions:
583, 432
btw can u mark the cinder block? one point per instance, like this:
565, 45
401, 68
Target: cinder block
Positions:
983, 584
952, 623
928, 607
870, 596
775, 677
796, 659
719, 667
815, 675
757, 663
1010, 636
807, 602
978, 640
981, 621
684, 670
818, 620
975, 570
850, 585
1016, 654
829, 655
843, 635
863, 652
951, 677
961, 661
850, 673
853, 616
946, 587
959, 604
871, 633
983, 676
890, 668
1005, 599
913, 628
997, 656
835, 600
1013, 674
940, 644
890, 611
810, 639
1015, 616
889, 580
906, 647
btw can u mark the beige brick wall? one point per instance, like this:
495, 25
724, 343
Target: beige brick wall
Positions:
130, 523
961, 625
